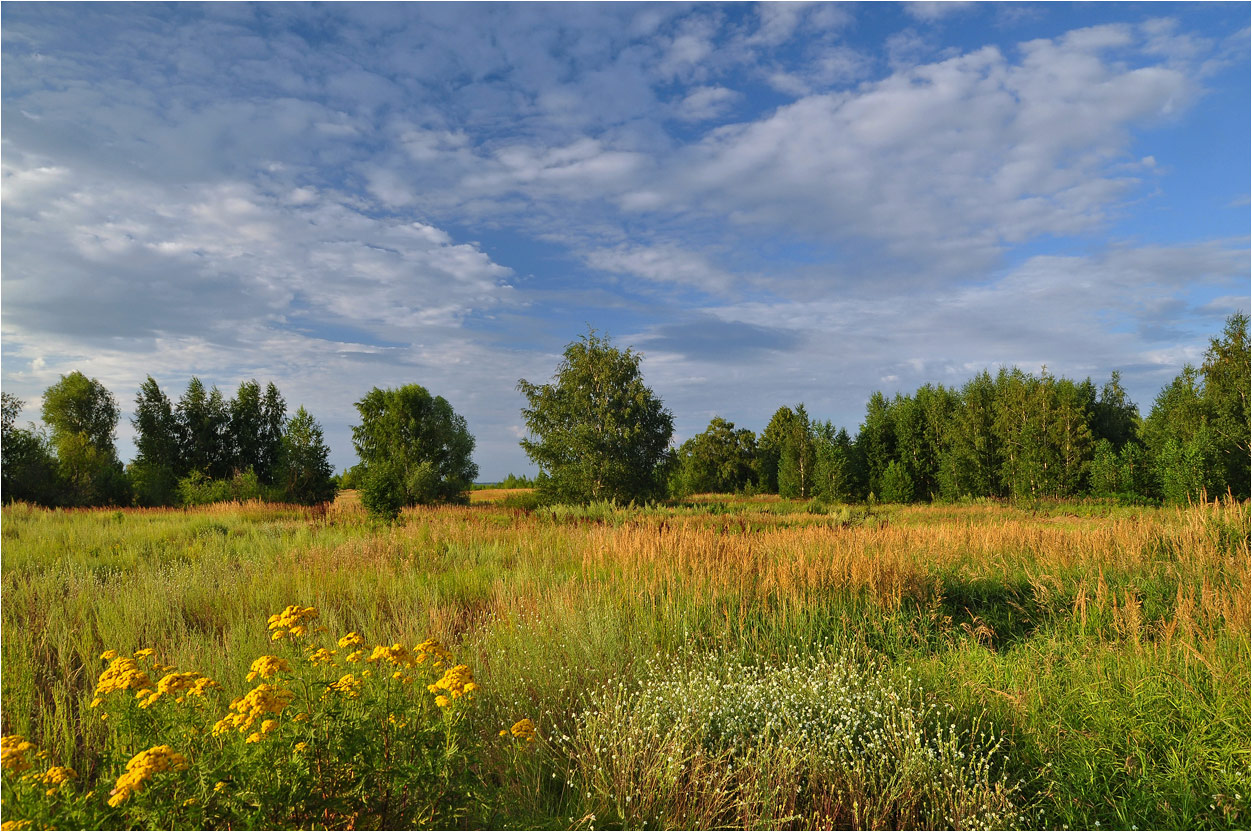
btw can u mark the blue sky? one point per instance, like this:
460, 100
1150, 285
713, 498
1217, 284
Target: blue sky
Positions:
774, 203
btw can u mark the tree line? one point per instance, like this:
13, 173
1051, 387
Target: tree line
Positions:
1009, 435
203, 448
597, 432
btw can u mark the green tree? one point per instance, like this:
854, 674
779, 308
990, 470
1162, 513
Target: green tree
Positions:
718, 460
27, 464
415, 449
158, 463
81, 415
1114, 416
307, 476
597, 432
1227, 372
970, 465
786, 454
835, 472
897, 485
204, 432
876, 441
797, 457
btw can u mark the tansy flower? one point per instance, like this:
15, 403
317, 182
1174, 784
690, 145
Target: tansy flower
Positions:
267, 666
142, 767
122, 674
352, 639
268, 725
300, 746
457, 681
442, 701
254, 737
109, 655
322, 656
348, 685
144, 653
524, 730
13, 751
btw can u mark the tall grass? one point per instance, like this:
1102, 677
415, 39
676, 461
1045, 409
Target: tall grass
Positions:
1109, 647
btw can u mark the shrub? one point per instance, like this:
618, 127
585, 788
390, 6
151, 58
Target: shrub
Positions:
831, 742
327, 734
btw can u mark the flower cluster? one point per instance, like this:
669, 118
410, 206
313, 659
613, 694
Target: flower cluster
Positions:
291, 622
122, 674
352, 639
523, 729
322, 656
142, 767
267, 666
396, 654
457, 681
55, 777
348, 685
261, 700
434, 650
13, 751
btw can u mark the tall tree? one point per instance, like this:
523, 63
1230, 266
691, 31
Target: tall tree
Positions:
28, 467
81, 415
245, 428
797, 457
598, 432
415, 448
204, 431
306, 473
718, 460
158, 463
1227, 372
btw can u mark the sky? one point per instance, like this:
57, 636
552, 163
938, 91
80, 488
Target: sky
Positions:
773, 203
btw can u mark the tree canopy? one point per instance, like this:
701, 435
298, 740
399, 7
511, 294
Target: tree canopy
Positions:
597, 432
415, 449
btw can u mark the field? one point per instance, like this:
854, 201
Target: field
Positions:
724, 662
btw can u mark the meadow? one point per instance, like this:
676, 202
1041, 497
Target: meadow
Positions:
718, 662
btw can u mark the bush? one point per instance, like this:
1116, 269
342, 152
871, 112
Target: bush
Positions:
197, 489
831, 742
323, 734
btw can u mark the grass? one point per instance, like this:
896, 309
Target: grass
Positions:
1107, 647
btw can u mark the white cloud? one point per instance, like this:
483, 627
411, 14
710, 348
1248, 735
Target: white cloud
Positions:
666, 264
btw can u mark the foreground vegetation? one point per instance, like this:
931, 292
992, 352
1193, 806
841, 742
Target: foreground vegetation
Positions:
723, 661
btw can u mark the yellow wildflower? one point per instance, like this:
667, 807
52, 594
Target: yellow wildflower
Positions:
268, 725
352, 639
292, 618
432, 649
355, 656
56, 776
109, 655
261, 700
442, 701
267, 666
524, 730
348, 685
300, 746
144, 653
322, 656
456, 681
97, 702
278, 635
253, 737
142, 767
219, 786
14, 825
122, 674
13, 751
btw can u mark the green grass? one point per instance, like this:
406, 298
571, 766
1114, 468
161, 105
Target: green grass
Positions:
1107, 645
